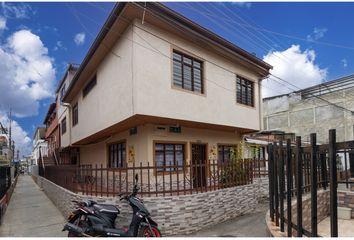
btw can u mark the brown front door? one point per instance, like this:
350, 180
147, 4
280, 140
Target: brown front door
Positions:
199, 165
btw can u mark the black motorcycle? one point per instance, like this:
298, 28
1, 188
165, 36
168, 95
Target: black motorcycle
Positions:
98, 220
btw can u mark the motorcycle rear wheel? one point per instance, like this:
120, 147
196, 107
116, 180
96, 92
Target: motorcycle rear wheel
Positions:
146, 232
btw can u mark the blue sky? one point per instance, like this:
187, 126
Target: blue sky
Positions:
319, 45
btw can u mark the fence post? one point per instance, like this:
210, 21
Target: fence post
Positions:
333, 182
281, 184
323, 170
275, 184
271, 184
299, 186
9, 177
313, 185
345, 167
289, 185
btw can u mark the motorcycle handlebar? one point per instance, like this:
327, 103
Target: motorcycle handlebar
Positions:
126, 197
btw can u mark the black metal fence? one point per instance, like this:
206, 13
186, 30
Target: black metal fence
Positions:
296, 169
5, 179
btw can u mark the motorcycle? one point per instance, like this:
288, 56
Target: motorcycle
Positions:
91, 219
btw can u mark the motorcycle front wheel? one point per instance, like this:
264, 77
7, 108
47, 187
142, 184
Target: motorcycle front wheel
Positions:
146, 232
80, 223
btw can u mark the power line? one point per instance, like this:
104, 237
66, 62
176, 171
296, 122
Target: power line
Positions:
330, 103
250, 38
285, 80
283, 34
157, 50
300, 89
231, 90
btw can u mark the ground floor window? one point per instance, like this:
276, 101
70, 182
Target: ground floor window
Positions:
225, 152
116, 155
170, 156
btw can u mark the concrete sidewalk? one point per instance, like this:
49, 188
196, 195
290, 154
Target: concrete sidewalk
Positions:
31, 213
250, 225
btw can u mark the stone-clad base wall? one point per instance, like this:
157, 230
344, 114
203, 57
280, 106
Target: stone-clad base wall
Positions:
322, 213
174, 214
346, 199
322, 209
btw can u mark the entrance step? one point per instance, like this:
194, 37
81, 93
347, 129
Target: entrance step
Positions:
344, 213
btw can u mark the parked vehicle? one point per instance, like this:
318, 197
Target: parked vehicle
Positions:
98, 220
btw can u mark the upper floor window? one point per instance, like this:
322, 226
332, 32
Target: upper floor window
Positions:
245, 91
62, 91
187, 72
89, 86
116, 155
75, 114
63, 126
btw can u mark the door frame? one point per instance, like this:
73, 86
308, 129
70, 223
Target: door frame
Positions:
207, 173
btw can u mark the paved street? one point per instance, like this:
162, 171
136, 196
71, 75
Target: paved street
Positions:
250, 225
31, 213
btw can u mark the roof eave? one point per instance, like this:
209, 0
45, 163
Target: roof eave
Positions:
104, 30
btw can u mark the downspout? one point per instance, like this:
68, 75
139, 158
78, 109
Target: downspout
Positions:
260, 105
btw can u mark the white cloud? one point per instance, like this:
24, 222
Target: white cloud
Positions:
27, 73
17, 10
59, 45
294, 66
22, 140
79, 38
317, 34
2, 23
243, 4
344, 63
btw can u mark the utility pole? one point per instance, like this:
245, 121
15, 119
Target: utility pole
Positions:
10, 140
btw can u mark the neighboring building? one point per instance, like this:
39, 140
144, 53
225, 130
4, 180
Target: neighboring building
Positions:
5, 153
67, 154
40, 146
314, 110
52, 133
162, 90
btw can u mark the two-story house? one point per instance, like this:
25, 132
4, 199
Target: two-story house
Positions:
52, 134
67, 153
157, 88
40, 146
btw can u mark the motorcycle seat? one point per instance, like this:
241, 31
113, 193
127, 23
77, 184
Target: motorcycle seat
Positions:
106, 208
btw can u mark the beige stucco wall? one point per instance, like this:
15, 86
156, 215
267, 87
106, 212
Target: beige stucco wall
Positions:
63, 111
65, 138
155, 95
143, 142
110, 101
139, 81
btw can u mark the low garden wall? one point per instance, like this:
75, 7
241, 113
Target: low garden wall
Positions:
174, 214
346, 199
4, 201
323, 198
